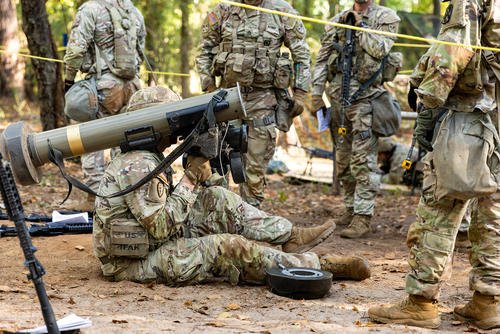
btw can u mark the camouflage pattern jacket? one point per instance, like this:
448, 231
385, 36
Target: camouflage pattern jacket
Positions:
243, 46
455, 77
93, 24
369, 51
134, 224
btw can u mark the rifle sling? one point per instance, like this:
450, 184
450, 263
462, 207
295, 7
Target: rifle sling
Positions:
370, 81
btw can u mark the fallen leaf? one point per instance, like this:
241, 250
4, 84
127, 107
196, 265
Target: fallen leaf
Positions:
119, 321
188, 303
80, 248
355, 308
233, 307
5, 288
215, 324
71, 301
456, 323
224, 315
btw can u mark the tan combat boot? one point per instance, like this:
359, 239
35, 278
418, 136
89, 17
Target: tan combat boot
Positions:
345, 218
346, 267
412, 311
481, 311
359, 227
303, 239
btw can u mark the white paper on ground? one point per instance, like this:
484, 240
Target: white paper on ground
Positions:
324, 116
69, 322
82, 217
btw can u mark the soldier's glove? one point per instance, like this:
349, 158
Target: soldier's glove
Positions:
208, 84
317, 103
358, 19
424, 131
198, 169
299, 101
68, 84
412, 98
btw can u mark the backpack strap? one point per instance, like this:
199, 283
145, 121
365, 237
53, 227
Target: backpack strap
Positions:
370, 81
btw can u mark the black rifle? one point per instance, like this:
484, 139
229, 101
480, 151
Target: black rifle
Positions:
346, 68
49, 229
15, 211
315, 152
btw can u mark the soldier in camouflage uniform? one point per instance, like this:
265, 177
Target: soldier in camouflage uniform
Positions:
461, 80
95, 31
357, 154
192, 234
242, 45
391, 155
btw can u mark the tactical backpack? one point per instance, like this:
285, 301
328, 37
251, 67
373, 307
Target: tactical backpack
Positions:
125, 43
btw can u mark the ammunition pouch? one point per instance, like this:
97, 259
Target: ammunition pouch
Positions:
283, 111
283, 74
82, 104
239, 67
128, 238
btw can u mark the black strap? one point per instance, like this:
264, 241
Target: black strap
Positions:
370, 81
57, 158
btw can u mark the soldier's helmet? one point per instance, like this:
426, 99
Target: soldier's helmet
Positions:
385, 144
150, 96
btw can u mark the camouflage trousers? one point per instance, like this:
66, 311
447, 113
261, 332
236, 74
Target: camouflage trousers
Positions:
217, 245
357, 158
113, 94
431, 240
261, 143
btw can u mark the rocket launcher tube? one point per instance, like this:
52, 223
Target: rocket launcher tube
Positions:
27, 151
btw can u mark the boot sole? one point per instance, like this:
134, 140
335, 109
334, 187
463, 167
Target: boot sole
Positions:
346, 236
322, 237
481, 324
431, 324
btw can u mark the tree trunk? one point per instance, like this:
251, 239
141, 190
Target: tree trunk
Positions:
11, 75
185, 46
437, 13
307, 11
50, 85
333, 7
382, 2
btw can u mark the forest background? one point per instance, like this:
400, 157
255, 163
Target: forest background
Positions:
40, 27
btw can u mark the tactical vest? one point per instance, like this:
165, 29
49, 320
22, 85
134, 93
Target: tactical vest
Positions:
249, 52
125, 42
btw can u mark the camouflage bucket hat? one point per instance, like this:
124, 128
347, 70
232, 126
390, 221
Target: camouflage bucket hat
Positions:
150, 96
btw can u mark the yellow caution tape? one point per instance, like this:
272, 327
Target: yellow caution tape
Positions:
169, 73
35, 57
405, 72
346, 26
61, 61
408, 45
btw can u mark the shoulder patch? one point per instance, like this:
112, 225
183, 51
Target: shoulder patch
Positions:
447, 14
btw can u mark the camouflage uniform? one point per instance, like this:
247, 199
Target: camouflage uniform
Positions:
93, 25
397, 153
183, 237
357, 154
243, 46
447, 76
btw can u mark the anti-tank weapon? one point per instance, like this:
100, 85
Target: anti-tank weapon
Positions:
158, 126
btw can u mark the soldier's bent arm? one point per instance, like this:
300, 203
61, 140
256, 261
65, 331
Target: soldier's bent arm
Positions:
151, 204
440, 67
141, 31
81, 37
295, 40
379, 46
210, 40
320, 73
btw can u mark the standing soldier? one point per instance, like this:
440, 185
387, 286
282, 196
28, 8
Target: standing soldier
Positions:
462, 163
105, 43
244, 46
356, 151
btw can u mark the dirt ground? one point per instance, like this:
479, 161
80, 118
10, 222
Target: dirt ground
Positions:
74, 283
